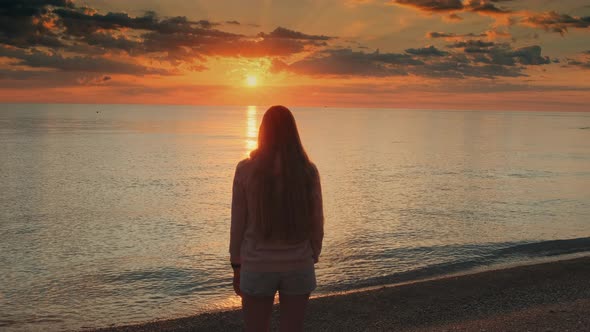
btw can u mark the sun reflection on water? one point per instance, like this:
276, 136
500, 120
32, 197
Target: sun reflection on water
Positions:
231, 302
251, 129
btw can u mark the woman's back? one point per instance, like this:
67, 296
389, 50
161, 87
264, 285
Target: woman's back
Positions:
257, 253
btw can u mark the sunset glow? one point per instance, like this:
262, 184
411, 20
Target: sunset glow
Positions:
511, 55
251, 81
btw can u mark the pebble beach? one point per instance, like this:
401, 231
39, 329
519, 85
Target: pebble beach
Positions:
552, 296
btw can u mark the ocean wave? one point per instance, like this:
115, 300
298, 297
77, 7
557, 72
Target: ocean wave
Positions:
490, 254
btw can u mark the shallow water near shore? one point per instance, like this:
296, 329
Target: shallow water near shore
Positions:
117, 214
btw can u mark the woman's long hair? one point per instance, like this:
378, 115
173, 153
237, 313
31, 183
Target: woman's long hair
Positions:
283, 180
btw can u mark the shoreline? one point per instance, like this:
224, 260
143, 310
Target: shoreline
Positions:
502, 265
552, 295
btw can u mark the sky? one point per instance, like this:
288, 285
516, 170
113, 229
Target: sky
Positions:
447, 54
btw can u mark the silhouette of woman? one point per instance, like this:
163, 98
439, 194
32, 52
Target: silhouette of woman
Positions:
276, 225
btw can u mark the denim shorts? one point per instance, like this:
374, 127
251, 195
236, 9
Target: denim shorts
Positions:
296, 282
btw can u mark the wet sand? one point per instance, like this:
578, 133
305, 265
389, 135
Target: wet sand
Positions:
543, 297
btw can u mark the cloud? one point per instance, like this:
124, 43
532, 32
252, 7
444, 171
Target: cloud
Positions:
485, 7
549, 21
448, 35
81, 21
346, 62
186, 46
445, 6
553, 21
467, 44
110, 41
580, 64
23, 23
181, 38
50, 60
426, 51
501, 54
468, 59
432, 5
58, 35
582, 61
281, 32
530, 55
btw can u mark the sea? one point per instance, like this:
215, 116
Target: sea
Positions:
120, 214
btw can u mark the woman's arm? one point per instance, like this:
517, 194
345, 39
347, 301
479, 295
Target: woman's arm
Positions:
238, 217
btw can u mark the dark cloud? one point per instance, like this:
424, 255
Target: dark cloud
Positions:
49, 60
40, 33
493, 60
59, 37
530, 55
482, 6
109, 41
281, 32
453, 35
433, 5
580, 64
276, 43
477, 6
553, 21
501, 54
206, 24
471, 44
175, 38
346, 62
426, 51
29, 22
490, 34
81, 21
549, 21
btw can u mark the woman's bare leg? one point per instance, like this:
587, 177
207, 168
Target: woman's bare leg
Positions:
292, 311
257, 311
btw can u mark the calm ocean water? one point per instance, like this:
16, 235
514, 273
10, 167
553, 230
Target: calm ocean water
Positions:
120, 213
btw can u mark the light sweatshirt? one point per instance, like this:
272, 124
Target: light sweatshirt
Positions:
253, 254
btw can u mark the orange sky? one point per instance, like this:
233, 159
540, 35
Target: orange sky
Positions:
452, 54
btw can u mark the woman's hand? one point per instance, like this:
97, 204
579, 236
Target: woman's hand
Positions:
237, 282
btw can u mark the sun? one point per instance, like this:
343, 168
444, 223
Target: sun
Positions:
251, 80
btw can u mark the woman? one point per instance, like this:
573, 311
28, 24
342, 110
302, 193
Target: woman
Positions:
276, 225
